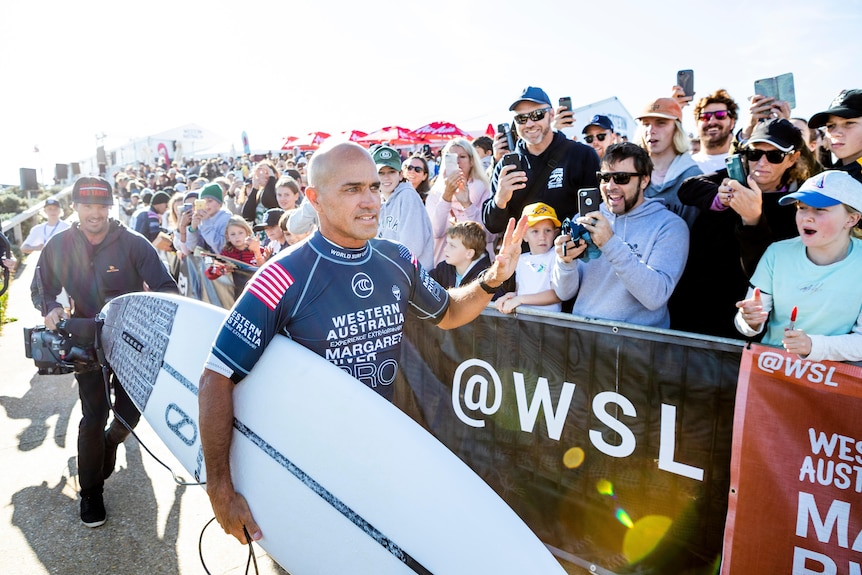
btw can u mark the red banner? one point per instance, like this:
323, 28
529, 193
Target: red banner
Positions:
795, 502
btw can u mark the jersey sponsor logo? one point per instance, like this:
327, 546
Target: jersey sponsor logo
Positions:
362, 285
555, 180
431, 285
270, 285
396, 291
111, 269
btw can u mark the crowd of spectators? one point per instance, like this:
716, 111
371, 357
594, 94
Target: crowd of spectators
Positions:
675, 232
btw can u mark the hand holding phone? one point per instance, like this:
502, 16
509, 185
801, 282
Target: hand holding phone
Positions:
506, 129
513, 159
451, 163
685, 80
564, 118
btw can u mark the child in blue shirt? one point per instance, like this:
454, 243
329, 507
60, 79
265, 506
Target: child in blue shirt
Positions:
818, 273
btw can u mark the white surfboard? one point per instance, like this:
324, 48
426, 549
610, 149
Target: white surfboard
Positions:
339, 480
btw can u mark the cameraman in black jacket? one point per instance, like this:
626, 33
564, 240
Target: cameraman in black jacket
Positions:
96, 260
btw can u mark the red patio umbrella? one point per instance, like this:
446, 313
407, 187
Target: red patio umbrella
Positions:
394, 135
310, 141
436, 131
351, 136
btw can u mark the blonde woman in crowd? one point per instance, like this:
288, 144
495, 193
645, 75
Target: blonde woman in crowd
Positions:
458, 194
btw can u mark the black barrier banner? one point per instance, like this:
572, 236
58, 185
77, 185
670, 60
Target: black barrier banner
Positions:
612, 443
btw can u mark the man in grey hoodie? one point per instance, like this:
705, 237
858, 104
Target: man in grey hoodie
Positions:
643, 248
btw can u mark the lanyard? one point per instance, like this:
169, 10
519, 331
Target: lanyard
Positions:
45, 235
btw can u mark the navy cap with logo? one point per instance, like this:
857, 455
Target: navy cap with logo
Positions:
602, 122
847, 104
93, 190
532, 94
52, 202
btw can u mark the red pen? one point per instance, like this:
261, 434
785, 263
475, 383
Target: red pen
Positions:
793, 317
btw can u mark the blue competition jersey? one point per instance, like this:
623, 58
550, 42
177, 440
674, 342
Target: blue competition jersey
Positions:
347, 305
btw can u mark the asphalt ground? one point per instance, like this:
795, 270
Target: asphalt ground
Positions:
154, 525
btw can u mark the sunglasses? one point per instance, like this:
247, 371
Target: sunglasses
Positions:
412, 168
772, 156
535, 115
719, 115
601, 138
619, 178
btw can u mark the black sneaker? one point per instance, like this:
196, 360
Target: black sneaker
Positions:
110, 460
93, 512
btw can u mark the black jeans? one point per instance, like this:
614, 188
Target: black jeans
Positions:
95, 408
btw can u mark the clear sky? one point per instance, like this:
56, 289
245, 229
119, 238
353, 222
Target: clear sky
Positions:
72, 70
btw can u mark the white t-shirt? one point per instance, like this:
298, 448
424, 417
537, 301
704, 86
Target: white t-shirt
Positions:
710, 163
533, 275
41, 233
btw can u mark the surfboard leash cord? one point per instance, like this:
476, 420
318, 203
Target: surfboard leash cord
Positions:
106, 378
251, 556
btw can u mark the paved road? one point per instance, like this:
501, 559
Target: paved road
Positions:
153, 525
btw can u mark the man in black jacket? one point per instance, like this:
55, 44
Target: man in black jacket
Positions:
96, 260
554, 167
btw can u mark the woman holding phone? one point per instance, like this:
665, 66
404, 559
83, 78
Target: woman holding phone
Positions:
458, 194
262, 196
736, 223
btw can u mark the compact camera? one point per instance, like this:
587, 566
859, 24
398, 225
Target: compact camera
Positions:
575, 231
58, 352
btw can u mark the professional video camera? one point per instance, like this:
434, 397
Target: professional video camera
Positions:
68, 348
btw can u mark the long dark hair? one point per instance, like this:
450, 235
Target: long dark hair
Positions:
425, 185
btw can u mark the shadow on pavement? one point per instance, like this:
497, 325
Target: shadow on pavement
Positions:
127, 543
48, 395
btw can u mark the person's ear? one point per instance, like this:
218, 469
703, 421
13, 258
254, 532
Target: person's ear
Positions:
644, 182
853, 220
311, 196
471, 253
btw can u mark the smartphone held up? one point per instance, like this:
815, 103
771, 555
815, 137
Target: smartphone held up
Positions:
685, 80
513, 159
510, 138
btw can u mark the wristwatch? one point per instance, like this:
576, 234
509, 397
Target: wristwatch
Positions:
485, 287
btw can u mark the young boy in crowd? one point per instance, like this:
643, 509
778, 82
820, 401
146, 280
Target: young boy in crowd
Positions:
464, 255
291, 238
533, 274
275, 239
843, 121
209, 220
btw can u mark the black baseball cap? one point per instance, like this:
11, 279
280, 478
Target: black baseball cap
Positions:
779, 132
847, 104
92, 190
271, 218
